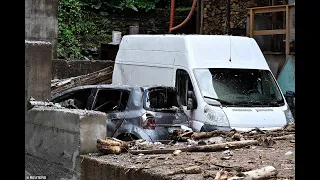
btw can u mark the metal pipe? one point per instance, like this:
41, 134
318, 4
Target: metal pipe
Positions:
194, 4
171, 15
228, 17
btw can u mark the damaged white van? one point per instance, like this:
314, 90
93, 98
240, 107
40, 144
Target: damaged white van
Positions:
224, 81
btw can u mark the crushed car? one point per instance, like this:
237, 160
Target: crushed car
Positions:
133, 112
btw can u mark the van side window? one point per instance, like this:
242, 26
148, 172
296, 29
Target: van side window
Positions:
183, 85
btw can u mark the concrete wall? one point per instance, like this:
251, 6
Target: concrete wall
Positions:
38, 64
59, 136
70, 68
41, 21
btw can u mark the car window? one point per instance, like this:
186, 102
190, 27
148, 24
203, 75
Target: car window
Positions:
110, 100
162, 99
74, 100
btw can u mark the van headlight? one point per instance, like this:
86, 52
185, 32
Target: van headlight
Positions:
288, 114
216, 116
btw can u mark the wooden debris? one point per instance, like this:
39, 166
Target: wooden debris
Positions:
220, 146
204, 148
192, 170
201, 135
222, 175
266, 141
98, 77
237, 136
109, 146
258, 174
285, 137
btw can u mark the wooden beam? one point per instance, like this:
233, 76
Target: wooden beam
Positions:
251, 23
287, 30
201, 17
198, 18
269, 32
267, 9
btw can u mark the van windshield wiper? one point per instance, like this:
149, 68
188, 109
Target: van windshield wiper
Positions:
221, 101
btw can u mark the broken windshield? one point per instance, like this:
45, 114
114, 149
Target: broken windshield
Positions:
163, 99
239, 87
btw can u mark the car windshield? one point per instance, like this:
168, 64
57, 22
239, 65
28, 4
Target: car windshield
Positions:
239, 86
162, 99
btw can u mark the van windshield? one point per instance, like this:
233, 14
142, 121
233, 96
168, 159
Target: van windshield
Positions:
239, 87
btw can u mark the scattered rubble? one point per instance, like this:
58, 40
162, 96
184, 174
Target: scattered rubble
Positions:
223, 155
98, 77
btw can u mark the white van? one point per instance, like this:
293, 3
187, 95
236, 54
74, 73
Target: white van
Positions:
224, 81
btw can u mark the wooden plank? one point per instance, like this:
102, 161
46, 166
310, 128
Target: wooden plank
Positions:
269, 32
287, 30
201, 18
97, 77
198, 18
267, 9
251, 22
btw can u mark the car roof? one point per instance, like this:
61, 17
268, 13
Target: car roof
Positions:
111, 86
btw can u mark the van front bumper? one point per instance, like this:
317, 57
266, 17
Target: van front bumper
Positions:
209, 128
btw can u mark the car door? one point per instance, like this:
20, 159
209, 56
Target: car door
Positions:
76, 98
112, 102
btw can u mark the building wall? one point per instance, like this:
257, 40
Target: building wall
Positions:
41, 21
62, 69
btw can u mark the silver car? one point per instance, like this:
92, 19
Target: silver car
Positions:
133, 112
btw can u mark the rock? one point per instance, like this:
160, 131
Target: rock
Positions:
288, 153
177, 152
225, 158
214, 140
237, 137
140, 154
192, 142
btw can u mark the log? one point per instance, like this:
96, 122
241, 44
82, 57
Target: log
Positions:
285, 137
204, 148
201, 135
219, 147
109, 146
98, 77
262, 173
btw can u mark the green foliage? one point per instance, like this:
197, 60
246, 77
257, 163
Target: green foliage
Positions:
77, 23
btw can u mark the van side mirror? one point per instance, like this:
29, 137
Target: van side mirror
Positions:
290, 98
192, 101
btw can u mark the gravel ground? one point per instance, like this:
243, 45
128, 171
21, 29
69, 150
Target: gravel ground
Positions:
280, 155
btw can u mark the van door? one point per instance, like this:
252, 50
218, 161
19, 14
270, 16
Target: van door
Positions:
183, 85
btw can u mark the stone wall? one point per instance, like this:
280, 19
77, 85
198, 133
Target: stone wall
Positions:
62, 69
214, 19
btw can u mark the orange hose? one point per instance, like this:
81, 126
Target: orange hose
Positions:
171, 15
194, 4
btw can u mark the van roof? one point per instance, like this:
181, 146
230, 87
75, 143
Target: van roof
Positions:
200, 51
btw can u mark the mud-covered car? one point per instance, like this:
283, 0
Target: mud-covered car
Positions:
133, 112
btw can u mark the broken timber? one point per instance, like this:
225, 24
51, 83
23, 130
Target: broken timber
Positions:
204, 148
98, 77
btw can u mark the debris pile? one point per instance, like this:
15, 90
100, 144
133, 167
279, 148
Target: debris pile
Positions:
98, 77
216, 155
189, 141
